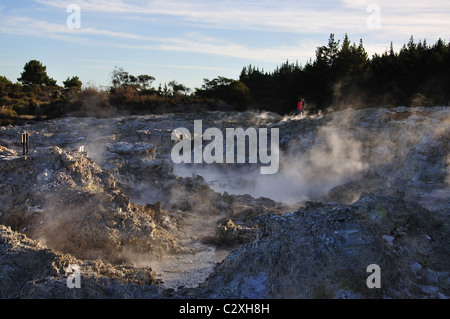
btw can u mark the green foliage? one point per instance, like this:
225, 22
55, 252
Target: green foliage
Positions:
178, 88
5, 86
73, 83
225, 89
122, 79
416, 69
36, 74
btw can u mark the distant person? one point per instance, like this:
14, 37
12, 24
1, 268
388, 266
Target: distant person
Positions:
300, 105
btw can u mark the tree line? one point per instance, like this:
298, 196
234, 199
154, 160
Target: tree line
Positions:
341, 75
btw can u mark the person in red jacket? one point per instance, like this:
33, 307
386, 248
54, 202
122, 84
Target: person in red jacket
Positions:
300, 105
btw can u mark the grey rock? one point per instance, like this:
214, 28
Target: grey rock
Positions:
355, 187
416, 268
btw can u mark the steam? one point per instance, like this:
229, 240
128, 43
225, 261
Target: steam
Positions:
311, 165
305, 115
349, 144
334, 158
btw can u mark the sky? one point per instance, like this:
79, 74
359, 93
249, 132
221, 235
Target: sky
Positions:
189, 41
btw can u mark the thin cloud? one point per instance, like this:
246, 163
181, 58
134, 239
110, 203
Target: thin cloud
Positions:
299, 17
400, 5
291, 17
264, 16
226, 48
407, 17
26, 26
190, 42
158, 65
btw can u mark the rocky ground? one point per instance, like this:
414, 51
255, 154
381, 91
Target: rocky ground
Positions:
355, 188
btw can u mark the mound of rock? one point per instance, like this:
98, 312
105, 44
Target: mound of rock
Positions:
67, 201
29, 269
4, 152
227, 233
323, 251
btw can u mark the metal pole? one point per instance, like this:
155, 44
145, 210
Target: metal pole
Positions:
25, 143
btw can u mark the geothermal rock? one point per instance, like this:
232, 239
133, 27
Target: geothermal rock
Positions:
355, 188
323, 251
31, 270
70, 203
227, 233
139, 148
4, 152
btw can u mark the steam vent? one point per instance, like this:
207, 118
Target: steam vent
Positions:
102, 199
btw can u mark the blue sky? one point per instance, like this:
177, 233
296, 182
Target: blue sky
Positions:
188, 41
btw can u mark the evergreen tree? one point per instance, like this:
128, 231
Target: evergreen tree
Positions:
35, 74
73, 83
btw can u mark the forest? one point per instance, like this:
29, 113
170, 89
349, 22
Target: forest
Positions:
341, 75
